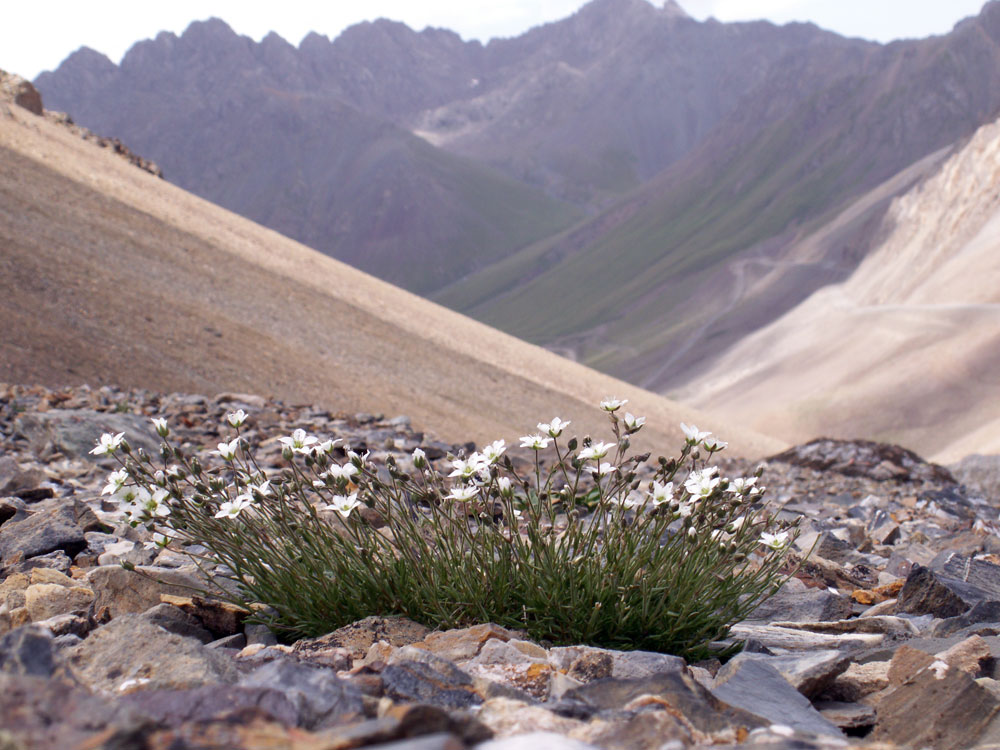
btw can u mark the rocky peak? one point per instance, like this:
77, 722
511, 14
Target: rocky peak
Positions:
15, 89
672, 9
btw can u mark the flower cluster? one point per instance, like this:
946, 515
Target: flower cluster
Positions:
592, 546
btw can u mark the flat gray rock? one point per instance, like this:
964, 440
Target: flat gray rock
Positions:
321, 698
74, 432
52, 530
808, 672
759, 688
133, 653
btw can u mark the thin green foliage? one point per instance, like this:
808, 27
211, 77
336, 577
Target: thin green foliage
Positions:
583, 544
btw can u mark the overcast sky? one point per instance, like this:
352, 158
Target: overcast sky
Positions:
36, 35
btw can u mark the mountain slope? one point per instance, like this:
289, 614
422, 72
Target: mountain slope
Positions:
650, 274
250, 127
116, 276
906, 349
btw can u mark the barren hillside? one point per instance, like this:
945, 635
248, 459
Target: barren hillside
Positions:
907, 349
112, 275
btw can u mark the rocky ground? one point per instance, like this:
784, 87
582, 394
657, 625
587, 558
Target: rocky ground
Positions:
885, 637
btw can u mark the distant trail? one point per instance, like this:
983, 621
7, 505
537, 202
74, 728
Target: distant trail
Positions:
739, 270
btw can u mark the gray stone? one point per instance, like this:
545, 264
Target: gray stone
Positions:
57, 560
759, 688
40, 533
536, 741
131, 653
810, 672
587, 663
927, 592
257, 633
847, 716
985, 612
321, 698
793, 604
679, 690
438, 685
983, 575
176, 707
176, 620
235, 641
27, 650
74, 432
51, 713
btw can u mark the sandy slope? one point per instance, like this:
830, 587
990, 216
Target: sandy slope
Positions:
908, 348
110, 275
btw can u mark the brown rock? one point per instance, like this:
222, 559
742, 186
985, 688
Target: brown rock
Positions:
906, 662
45, 600
221, 618
463, 643
939, 707
506, 717
359, 636
51, 575
971, 655
121, 591
859, 681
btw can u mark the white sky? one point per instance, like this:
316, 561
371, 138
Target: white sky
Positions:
36, 35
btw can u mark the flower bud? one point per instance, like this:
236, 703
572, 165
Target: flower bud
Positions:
127, 449
287, 453
165, 453
572, 445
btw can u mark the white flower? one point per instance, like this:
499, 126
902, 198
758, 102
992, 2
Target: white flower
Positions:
505, 487
555, 427
236, 418
263, 489
612, 404
116, 480
714, 445
662, 493
493, 451
693, 434
535, 442
327, 446
634, 499
128, 495
155, 504
743, 486
160, 424
597, 451
774, 541
419, 458
602, 470
702, 483
633, 423
228, 450
108, 444
344, 504
232, 508
461, 494
355, 458
344, 472
300, 441
469, 467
